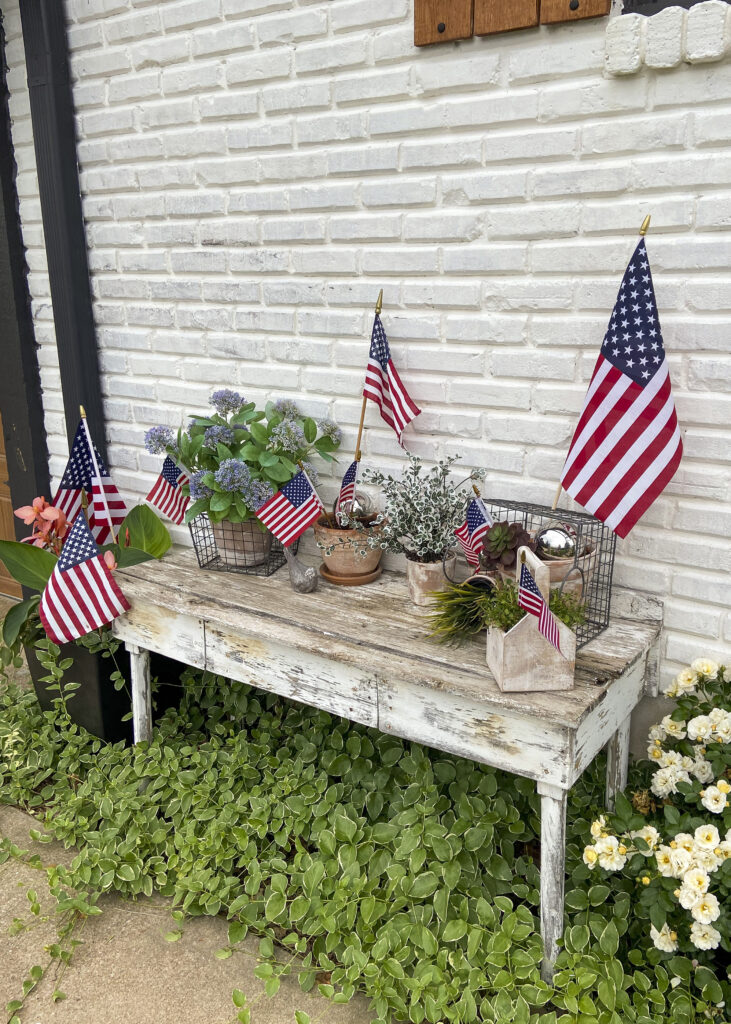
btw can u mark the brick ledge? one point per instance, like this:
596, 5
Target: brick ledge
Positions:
671, 37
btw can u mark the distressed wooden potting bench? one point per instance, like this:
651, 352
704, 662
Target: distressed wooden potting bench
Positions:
363, 653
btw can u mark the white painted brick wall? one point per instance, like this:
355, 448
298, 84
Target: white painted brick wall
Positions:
254, 171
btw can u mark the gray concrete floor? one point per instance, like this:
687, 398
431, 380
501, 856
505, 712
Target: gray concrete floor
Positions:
125, 972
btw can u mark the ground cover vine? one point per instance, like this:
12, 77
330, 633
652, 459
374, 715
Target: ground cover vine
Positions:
362, 863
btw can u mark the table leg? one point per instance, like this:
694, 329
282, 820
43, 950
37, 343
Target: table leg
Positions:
553, 872
141, 698
617, 762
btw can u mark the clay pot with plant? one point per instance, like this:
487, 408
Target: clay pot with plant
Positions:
422, 508
349, 541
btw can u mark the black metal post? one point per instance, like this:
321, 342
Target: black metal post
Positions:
54, 134
20, 386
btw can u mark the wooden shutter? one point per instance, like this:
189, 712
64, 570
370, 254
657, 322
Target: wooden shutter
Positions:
7, 522
441, 21
572, 10
504, 15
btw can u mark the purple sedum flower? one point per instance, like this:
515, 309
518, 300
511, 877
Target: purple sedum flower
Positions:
218, 435
227, 401
288, 436
157, 440
288, 408
197, 488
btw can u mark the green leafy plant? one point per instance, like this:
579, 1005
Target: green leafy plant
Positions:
358, 861
421, 509
501, 543
464, 609
239, 456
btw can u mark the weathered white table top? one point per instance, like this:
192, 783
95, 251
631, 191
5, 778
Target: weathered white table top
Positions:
364, 653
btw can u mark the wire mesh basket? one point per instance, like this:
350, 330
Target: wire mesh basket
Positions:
237, 547
588, 574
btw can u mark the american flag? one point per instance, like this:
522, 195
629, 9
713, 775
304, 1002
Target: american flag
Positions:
530, 598
383, 384
81, 474
471, 532
81, 594
167, 495
289, 512
347, 487
627, 444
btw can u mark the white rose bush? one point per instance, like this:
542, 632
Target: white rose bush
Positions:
675, 856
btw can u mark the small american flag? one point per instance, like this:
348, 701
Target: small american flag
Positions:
289, 512
530, 598
167, 495
347, 487
81, 594
627, 444
383, 384
471, 532
81, 475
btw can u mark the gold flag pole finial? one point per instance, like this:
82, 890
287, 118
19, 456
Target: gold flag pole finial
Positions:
379, 303
82, 410
645, 226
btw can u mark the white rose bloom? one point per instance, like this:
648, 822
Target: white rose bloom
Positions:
651, 836
702, 770
704, 667
590, 856
704, 936
681, 860
706, 909
670, 758
713, 799
687, 897
707, 837
664, 781
699, 728
609, 856
666, 940
725, 848
674, 729
656, 733
717, 715
686, 840
723, 731
598, 826
655, 752
686, 763
673, 690
706, 859
696, 880
664, 863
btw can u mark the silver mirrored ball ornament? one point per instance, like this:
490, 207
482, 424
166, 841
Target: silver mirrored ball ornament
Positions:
555, 542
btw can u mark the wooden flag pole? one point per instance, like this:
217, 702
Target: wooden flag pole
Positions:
643, 231
358, 453
102, 492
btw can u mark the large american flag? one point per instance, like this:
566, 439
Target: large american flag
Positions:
530, 598
81, 594
166, 494
347, 487
474, 528
627, 444
383, 384
81, 475
293, 509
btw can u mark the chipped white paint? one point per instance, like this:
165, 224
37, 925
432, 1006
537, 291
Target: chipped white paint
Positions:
139, 658
365, 655
617, 762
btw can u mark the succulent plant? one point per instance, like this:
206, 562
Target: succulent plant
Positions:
502, 540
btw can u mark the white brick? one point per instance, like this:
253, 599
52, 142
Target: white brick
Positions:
706, 32
435, 76
169, 50
191, 14
321, 57
226, 39
362, 160
291, 27
366, 87
483, 186
351, 14
463, 153
548, 221
403, 193
443, 226
371, 227
299, 96
330, 128
664, 38
260, 68
533, 365
625, 44
230, 105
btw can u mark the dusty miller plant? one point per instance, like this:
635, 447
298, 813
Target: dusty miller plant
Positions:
422, 508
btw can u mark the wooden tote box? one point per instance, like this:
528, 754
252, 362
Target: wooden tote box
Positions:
522, 659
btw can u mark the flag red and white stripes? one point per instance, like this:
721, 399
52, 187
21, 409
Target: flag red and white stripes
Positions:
627, 444
530, 598
106, 510
292, 510
81, 594
86, 471
383, 384
471, 533
347, 487
166, 494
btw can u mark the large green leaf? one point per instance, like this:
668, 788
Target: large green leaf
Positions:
146, 531
16, 619
29, 565
124, 557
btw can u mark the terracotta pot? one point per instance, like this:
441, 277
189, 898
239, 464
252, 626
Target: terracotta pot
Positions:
242, 544
426, 577
346, 559
566, 569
